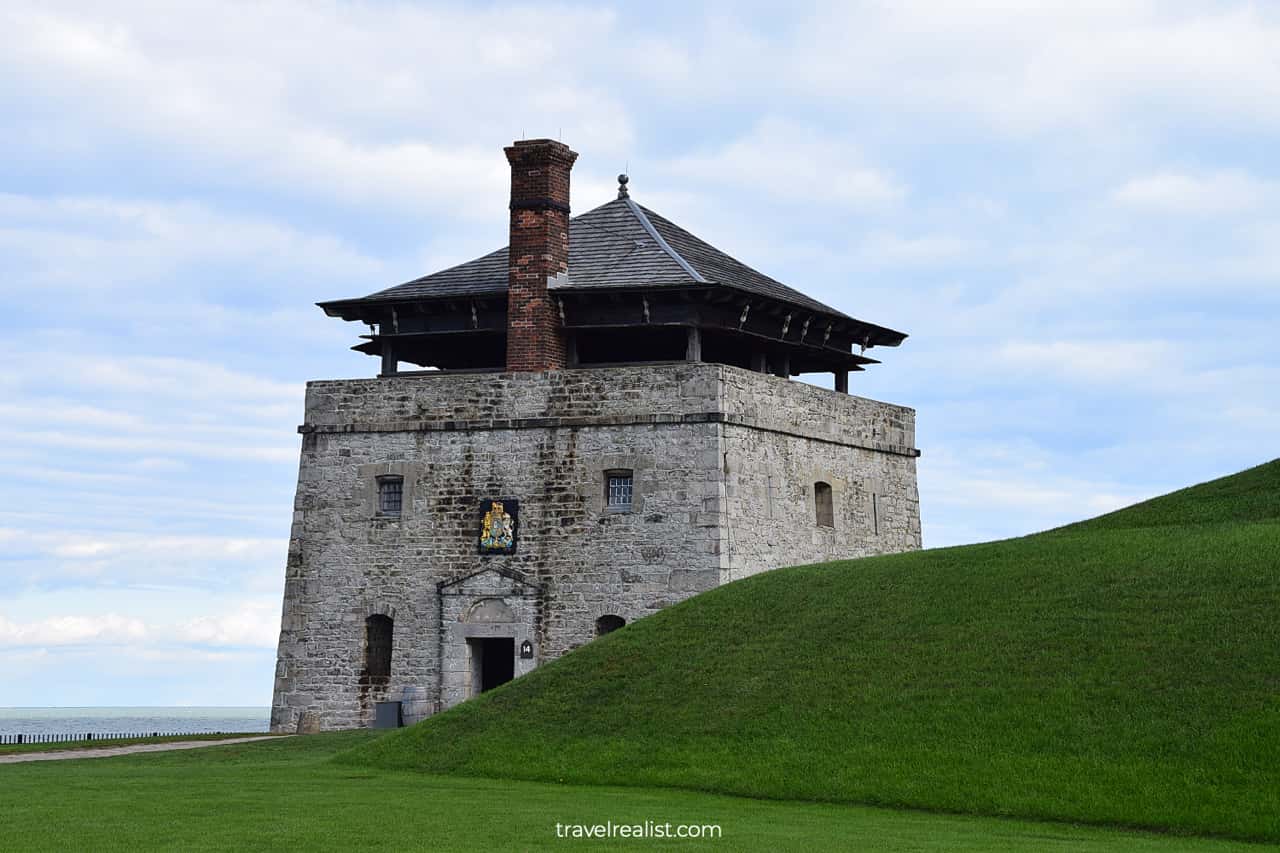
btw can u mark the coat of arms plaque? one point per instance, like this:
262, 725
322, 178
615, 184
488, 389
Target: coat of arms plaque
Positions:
499, 522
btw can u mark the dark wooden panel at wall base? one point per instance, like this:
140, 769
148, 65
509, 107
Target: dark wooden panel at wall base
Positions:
388, 715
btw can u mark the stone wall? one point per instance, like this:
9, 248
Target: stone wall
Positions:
785, 437
724, 462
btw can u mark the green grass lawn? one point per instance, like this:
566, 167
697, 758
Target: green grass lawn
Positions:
108, 743
289, 795
1121, 671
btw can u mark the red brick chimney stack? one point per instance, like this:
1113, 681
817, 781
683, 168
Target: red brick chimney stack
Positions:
538, 251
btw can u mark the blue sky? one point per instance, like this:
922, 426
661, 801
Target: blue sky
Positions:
1074, 210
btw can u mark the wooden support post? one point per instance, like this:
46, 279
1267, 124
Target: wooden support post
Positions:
693, 350
571, 349
759, 362
842, 381
390, 363
782, 367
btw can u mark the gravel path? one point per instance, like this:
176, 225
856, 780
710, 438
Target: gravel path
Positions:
108, 751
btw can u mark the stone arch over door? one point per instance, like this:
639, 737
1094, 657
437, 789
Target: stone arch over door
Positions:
489, 604
607, 609
489, 610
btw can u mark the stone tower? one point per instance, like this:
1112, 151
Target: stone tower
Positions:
566, 435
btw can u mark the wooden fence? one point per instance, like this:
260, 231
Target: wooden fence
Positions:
48, 737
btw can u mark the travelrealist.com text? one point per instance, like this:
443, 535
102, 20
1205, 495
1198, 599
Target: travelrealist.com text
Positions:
648, 829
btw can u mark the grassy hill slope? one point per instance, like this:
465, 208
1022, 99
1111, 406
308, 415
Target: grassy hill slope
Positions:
1123, 670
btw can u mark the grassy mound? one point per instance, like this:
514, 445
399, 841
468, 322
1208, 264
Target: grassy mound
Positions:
1124, 670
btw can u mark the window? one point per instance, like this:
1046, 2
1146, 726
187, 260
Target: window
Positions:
618, 489
608, 624
823, 505
390, 495
377, 648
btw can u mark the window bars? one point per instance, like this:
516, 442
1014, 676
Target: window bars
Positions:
390, 495
618, 490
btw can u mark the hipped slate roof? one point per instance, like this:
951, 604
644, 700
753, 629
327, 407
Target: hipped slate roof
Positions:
619, 245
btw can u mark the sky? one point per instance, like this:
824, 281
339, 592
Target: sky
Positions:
1072, 207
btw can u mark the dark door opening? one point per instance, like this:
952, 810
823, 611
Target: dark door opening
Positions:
494, 661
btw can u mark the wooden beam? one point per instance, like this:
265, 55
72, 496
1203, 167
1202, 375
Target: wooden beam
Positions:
389, 361
842, 381
693, 350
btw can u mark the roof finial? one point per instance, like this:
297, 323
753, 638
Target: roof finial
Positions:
622, 185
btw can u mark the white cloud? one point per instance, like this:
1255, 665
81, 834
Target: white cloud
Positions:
1204, 195
1022, 67
882, 247
194, 409
110, 628
992, 487
126, 246
184, 378
1158, 371
43, 555
1074, 500
1098, 361
151, 549
252, 623
256, 96
792, 162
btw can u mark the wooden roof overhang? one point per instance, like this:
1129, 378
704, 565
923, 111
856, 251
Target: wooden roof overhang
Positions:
466, 328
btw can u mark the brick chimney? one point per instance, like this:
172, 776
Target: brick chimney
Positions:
538, 251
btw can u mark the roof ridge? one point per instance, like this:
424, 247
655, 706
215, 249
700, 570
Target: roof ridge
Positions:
638, 212
582, 220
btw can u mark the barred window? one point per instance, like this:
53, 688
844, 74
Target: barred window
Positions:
618, 490
390, 495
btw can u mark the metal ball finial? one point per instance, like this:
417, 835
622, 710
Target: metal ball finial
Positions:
622, 185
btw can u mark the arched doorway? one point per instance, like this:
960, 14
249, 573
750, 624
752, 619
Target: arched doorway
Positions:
489, 638
492, 658
378, 631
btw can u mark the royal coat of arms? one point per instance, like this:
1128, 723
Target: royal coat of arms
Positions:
498, 526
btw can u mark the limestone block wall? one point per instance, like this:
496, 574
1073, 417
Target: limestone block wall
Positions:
546, 439
784, 437
724, 462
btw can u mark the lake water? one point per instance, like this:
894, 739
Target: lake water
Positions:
101, 721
